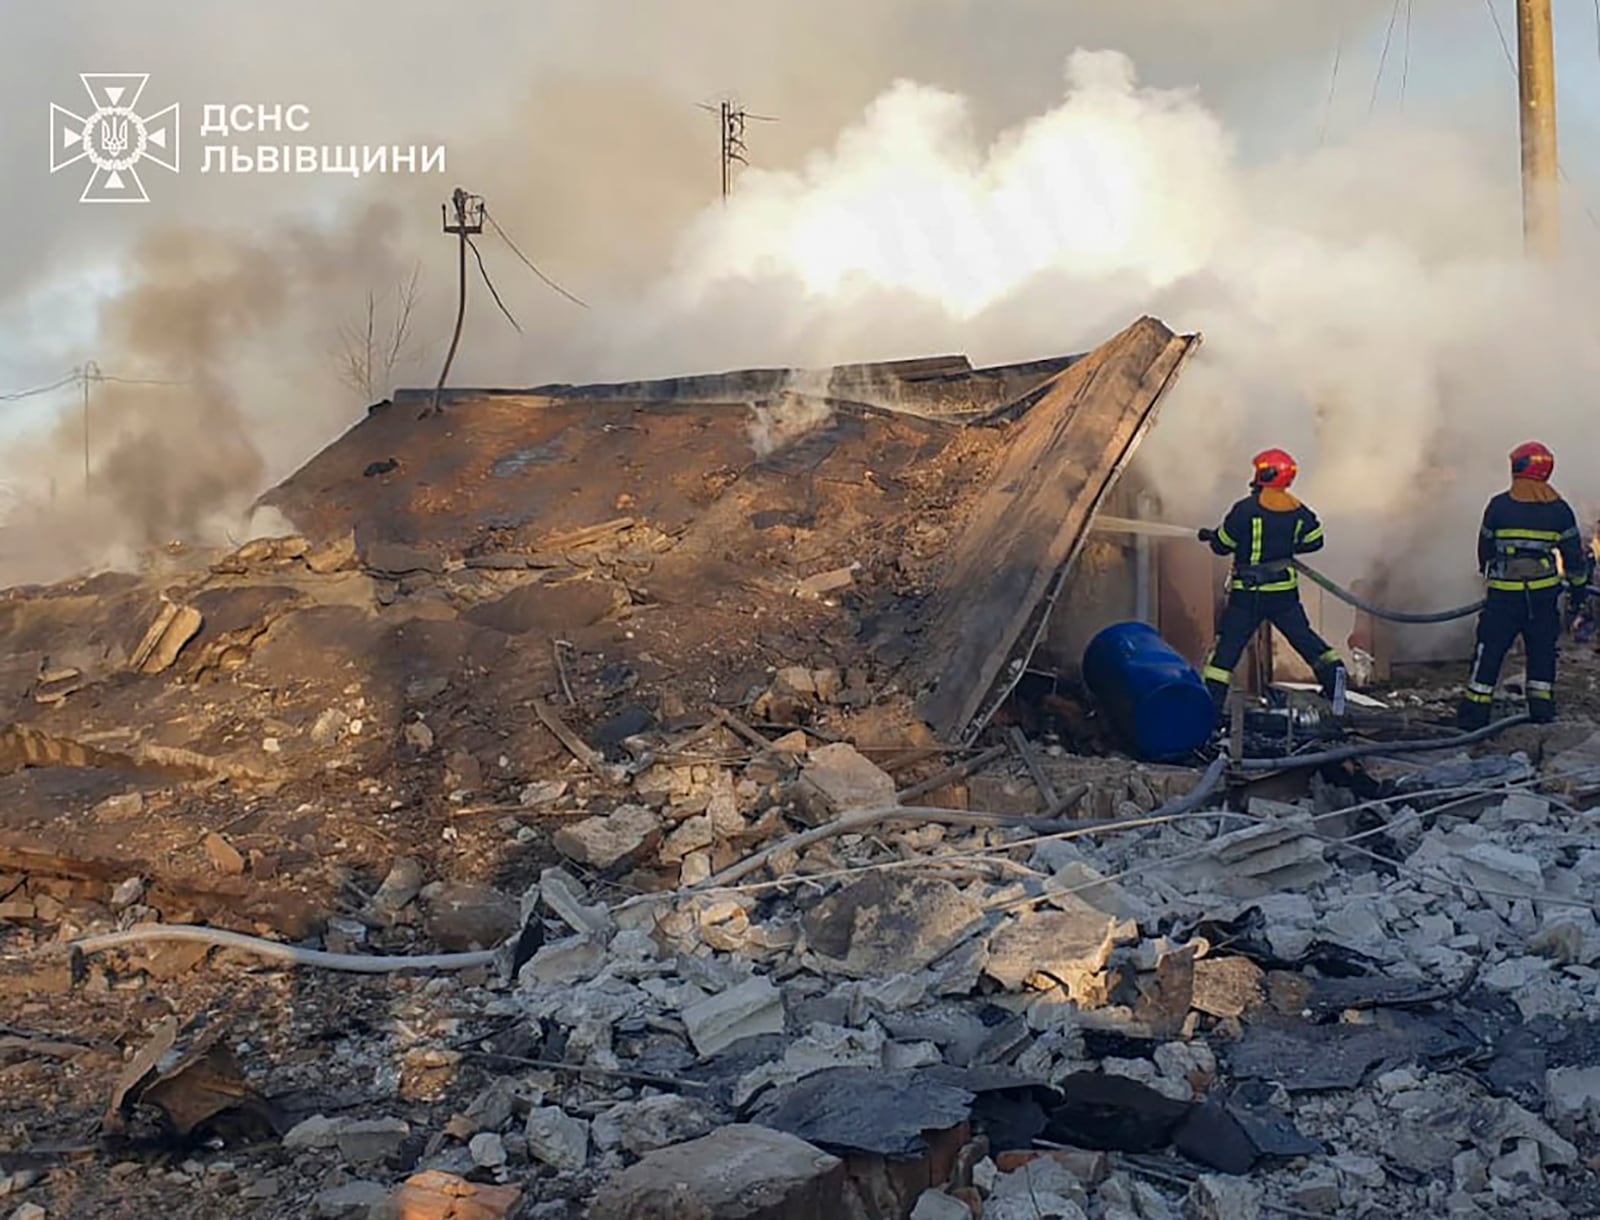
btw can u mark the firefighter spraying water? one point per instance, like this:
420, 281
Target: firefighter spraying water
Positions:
1264, 532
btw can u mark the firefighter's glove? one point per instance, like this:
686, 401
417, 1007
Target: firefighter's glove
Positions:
1207, 535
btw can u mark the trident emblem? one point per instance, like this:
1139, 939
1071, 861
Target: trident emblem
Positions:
114, 136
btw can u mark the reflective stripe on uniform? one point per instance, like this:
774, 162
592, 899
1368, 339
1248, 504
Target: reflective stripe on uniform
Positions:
1331, 655
1474, 696
1481, 688
1526, 586
1212, 674
1531, 535
1256, 525
1540, 694
1225, 538
1314, 536
1279, 586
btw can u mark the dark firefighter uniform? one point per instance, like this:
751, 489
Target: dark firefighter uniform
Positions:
1263, 533
1524, 529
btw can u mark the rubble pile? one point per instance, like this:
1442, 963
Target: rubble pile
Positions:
750, 976
731, 933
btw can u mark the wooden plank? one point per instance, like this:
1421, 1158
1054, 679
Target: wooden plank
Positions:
1062, 457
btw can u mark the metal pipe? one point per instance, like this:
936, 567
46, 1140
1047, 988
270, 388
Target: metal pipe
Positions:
1345, 753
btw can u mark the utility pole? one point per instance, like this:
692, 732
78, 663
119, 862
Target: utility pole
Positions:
468, 221
1536, 79
730, 123
732, 144
90, 372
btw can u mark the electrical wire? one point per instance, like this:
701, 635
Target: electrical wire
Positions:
484, 271
527, 262
1511, 62
1505, 45
1333, 83
1388, 37
18, 395
1405, 63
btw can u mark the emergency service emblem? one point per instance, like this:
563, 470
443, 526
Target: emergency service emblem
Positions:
114, 137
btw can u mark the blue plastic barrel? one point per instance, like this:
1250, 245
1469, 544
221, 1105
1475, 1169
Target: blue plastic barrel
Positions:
1151, 695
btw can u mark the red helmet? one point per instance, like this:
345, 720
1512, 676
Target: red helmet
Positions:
1532, 461
1274, 468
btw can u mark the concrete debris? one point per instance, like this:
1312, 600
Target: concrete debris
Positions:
462, 916
351, 1201
401, 885
488, 1150
886, 924
737, 1171
839, 779
904, 1011
935, 1204
365, 1141
1216, 1198
716, 1022
656, 1122
603, 842
556, 1138
434, 1195
1057, 947
1267, 858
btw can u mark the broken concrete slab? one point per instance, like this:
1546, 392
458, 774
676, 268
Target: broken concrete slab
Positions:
657, 1122
838, 778
1267, 858
1068, 947
852, 1109
742, 1172
463, 916
603, 842
888, 924
716, 1022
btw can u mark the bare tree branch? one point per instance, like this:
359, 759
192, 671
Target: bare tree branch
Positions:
366, 359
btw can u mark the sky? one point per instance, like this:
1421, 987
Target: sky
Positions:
429, 73
578, 121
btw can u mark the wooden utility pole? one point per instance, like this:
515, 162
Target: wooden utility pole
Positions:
1536, 75
468, 221
91, 372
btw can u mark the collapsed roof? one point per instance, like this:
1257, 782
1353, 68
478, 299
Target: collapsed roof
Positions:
779, 474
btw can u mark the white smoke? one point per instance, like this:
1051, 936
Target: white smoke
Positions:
781, 421
1365, 306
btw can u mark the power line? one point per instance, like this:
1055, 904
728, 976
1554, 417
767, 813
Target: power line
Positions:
1333, 83
527, 262
1388, 37
484, 271
1505, 46
1511, 62
1405, 66
78, 375
18, 395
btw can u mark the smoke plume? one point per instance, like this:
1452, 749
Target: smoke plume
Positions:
933, 185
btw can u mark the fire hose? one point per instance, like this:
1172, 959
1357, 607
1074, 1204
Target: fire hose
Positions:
1125, 525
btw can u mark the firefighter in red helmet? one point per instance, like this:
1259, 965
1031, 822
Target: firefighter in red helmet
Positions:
1524, 529
1263, 533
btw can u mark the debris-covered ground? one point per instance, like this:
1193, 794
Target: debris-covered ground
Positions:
728, 933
